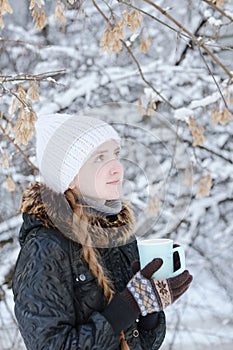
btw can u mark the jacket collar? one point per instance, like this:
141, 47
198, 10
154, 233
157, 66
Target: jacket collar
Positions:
51, 209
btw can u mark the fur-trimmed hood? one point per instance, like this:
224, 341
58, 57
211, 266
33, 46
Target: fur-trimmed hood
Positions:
42, 206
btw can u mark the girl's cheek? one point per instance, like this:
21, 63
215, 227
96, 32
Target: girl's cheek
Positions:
99, 173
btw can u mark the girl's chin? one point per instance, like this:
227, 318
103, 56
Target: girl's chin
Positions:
113, 197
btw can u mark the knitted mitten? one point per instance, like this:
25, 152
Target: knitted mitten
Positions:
147, 295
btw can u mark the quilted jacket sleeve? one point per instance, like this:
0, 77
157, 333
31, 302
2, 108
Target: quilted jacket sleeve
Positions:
43, 294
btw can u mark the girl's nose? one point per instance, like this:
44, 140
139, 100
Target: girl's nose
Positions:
115, 167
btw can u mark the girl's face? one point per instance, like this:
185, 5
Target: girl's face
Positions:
101, 176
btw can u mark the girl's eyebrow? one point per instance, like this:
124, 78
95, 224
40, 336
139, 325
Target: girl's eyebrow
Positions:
104, 151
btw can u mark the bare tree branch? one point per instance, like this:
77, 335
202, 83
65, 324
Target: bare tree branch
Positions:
228, 160
215, 7
196, 40
10, 92
100, 11
34, 168
137, 63
37, 77
189, 44
211, 73
143, 77
155, 18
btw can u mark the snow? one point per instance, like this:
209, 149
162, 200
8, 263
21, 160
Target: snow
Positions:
205, 101
214, 22
154, 156
183, 114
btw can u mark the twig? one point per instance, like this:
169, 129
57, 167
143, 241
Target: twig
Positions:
100, 11
182, 56
222, 47
12, 41
211, 73
20, 42
216, 154
174, 151
215, 7
153, 17
34, 168
109, 8
228, 160
143, 77
10, 92
137, 63
194, 38
41, 76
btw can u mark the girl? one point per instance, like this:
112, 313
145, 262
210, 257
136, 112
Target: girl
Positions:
77, 283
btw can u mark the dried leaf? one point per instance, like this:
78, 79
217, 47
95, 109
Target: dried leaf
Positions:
5, 161
141, 109
33, 3
145, 44
21, 93
111, 40
133, 20
35, 13
215, 116
5, 7
118, 31
222, 118
188, 177
41, 20
15, 105
105, 40
24, 127
226, 116
126, 17
8, 129
10, 185
204, 187
21, 100
153, 206
218, 2
228, 95
33, 92
1, 22
197, 133
59, 14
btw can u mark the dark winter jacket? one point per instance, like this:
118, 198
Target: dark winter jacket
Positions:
58, 303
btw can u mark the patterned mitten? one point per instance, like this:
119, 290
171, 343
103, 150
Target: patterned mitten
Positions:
148, 295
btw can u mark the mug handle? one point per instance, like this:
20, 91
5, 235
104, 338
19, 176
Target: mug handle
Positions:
181, 253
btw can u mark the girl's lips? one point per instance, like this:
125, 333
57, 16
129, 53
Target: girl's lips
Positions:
117, 182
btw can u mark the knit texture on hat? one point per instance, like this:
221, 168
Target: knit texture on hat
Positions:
65, 142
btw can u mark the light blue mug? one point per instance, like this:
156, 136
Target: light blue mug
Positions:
150, 249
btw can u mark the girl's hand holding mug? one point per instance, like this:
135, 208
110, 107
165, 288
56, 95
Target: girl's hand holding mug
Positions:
147, 295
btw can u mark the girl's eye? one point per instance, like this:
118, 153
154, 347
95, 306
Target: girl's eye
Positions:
100, 158
117, 154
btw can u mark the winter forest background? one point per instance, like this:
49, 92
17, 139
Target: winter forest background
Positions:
162, 72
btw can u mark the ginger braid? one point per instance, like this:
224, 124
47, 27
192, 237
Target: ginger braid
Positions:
89, 253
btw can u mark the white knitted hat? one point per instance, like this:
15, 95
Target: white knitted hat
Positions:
64, 143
